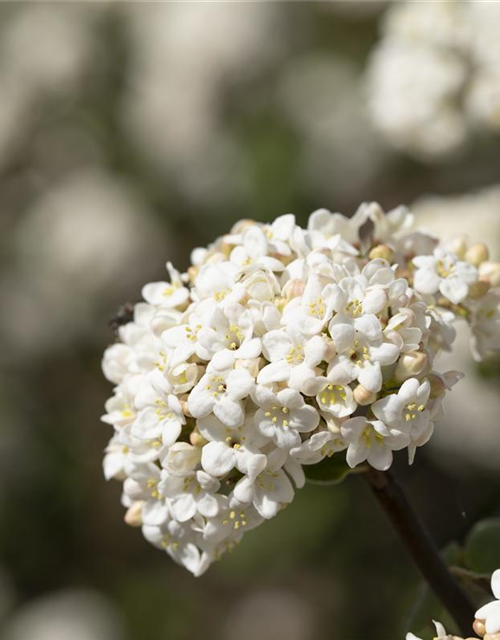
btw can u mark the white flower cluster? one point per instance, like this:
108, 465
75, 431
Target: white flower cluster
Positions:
435, 75
279, 347
487, 622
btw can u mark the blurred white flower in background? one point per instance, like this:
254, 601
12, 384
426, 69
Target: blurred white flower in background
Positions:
44, 51
184, 57
72, 613
356, 9
320, 94
269, 614
435, 75
80, 239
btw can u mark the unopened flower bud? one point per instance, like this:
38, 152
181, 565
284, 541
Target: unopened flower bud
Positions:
293, 289
490, 271
458, 245
381, 251
411, 364
196, 439
492, 636
478, 289
133, 517
479, 627
477, 254
182, 459
242, 225
363, 396
184, 406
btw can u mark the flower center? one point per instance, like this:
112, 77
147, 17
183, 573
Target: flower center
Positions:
235, 519
359, 354
192, 333
317, 308
295, 355
333, 394
279, 416
370, 433
354, 308
411, 410
152, 484
234, 337
216, 385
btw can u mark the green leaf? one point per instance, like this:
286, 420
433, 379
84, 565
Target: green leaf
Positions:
482, 547
330, 470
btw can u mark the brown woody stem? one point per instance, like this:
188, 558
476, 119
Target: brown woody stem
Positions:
421, 547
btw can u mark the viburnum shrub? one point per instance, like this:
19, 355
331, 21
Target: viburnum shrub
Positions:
278, 349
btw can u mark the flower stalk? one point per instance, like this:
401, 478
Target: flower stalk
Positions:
419, 543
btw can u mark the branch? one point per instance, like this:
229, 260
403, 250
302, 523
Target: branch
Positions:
421, 547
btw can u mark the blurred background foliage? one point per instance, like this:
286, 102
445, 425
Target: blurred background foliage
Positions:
130, 133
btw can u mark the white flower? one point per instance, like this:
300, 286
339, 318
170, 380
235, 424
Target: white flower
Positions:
270, 491
293, 358
485, 325
405, 410
320, 445
171, 294
230, 523
231, 328
190, 495
490, 613
336, 399
231, 448
178, 541
440, 633
443, 272
221, 392
283, 416
371, 440
160, 422
254, 249
410, 412
143, 484
181, 459
362, 351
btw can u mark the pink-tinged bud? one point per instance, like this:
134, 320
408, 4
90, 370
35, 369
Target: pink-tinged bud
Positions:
479, 289
479, 627
293, 289
476, 254
381, 251
363, 396
133, 517
411, 364
490, 272
438, 386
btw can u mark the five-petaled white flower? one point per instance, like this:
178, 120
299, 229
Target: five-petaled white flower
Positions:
443, 272
283, 416
371, 440
221, 392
